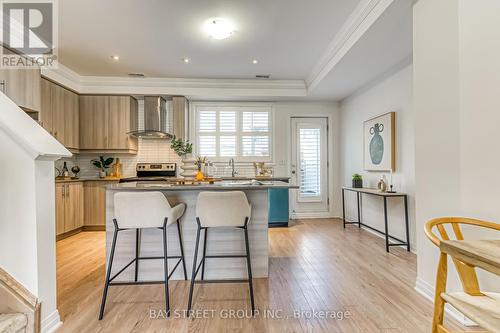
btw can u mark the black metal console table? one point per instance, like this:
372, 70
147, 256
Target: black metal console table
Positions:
385, 195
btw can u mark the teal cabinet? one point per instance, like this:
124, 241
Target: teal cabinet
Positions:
278, 209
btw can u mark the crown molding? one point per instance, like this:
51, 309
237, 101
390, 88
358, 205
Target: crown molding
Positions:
358, 23
174, 86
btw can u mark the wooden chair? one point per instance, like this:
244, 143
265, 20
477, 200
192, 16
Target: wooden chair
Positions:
482, 307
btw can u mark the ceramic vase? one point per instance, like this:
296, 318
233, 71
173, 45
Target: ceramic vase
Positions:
189, 167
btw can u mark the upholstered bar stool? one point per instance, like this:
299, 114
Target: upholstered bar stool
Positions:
221, 210
142, 210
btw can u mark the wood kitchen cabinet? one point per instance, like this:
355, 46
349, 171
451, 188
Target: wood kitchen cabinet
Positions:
60, 114
105, 122
22, 86
94, 194
180, 116
69, 207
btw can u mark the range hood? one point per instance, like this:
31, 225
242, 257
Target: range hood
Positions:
154, 118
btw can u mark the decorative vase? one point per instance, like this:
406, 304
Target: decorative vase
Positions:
189, 167
357, 183
102, 174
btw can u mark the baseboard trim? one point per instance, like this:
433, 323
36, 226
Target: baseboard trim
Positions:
312, 215
426, 290
68, 234
94, 228
51, 323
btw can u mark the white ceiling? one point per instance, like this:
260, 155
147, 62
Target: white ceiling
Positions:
152, 36
313, 49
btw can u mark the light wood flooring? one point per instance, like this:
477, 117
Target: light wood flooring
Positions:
313, 265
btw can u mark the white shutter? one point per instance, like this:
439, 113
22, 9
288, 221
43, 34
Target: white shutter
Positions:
207, 121
255, 121
310, 162
232, 131
207, 145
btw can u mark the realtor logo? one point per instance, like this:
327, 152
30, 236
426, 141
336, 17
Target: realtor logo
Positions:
28, 33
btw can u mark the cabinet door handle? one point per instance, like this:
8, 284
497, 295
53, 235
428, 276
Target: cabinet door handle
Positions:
2, 85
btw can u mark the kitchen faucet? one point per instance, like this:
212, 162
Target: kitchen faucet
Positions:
231, 164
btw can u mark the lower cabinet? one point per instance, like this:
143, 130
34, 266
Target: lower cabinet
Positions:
94, 193
69, 207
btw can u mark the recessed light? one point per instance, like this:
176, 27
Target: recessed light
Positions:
186, 60
115, 57
255, 61
219, 28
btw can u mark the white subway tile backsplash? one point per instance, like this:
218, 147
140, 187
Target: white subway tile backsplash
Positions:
150, 151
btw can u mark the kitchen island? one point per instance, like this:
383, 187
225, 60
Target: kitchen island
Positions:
220, 240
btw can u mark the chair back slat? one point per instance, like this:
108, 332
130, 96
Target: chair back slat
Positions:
458, 231
467, 273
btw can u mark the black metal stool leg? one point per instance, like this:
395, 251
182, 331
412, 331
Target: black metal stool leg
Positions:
136, 254
165, 267
182, 250
204, 254
108, 273
249, 267
193, 275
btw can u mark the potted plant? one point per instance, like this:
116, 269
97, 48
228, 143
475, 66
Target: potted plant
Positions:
102, 164
357, 181
185, 150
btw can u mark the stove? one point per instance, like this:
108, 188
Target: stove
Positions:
152, 172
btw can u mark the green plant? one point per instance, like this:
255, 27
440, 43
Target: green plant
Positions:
181, 147
357, 176
102, 163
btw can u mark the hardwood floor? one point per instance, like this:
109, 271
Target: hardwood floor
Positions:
313, 265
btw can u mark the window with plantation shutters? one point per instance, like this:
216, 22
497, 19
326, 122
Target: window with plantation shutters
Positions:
240, 132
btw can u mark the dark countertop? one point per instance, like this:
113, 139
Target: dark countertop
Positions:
222, 186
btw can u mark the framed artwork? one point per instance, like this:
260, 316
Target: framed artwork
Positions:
379, 143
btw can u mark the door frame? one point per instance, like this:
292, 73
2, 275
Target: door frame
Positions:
329, 165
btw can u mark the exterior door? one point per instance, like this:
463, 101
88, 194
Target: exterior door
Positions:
309, 166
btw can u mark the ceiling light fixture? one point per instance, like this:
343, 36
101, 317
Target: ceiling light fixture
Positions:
186, 60
115, 57
255, 62
219, 28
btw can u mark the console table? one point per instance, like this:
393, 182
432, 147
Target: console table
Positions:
384, 195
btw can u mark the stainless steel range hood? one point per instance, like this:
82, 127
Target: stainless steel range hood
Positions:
154, 118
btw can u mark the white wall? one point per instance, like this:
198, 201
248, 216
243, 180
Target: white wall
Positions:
456, 80
27, 204
18, 239
392, 94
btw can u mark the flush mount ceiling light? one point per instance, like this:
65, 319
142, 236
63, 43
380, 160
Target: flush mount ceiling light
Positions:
186, 60
219, 28
255, 61
115, 57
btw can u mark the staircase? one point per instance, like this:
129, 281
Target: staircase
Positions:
19, 309
13, 323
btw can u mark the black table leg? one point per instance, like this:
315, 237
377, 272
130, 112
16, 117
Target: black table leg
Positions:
386, 226
343, 208
406, 221
359, 210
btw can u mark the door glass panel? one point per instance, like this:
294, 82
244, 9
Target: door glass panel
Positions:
310, 162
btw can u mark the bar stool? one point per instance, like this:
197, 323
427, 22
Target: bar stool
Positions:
218, 210
141, 210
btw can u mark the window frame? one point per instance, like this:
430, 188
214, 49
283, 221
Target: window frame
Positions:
239, 108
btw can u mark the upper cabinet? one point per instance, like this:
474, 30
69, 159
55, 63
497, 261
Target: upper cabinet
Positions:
22, 86
180, 116
60, 114
105, 122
